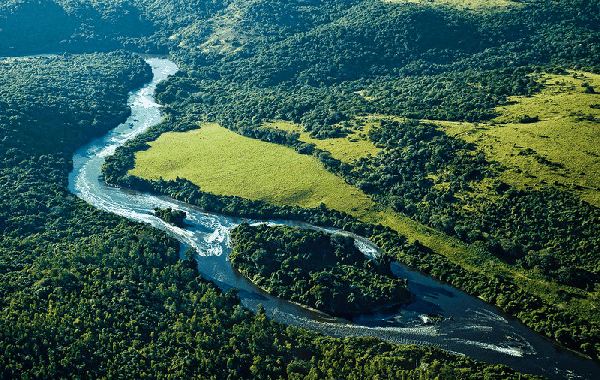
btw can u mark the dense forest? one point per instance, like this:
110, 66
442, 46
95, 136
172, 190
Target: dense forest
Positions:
87, 294
326, 272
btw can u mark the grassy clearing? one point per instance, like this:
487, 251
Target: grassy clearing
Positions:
223, 162
560, 149
346, 149
467, 5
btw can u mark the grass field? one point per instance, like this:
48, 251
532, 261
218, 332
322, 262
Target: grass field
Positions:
560, 149
223, 162
346, 149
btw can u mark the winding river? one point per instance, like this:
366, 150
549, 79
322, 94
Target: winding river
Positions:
470, 326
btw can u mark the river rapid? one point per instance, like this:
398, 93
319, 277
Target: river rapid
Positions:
469, 326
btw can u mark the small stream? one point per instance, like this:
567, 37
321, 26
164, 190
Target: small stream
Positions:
469, 326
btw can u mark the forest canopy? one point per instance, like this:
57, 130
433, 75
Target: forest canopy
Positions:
84, 293
324, 271
88, 294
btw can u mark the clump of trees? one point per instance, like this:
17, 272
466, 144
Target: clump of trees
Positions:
324, 271
170, 215
43, 91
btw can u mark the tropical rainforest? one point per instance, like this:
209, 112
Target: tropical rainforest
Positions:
88, 294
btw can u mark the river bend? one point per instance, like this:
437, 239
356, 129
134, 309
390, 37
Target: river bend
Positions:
470, 326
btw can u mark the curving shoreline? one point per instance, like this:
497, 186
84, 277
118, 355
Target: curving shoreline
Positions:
472, 327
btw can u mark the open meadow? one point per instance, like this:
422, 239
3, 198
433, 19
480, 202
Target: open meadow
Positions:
225, 163
547, 140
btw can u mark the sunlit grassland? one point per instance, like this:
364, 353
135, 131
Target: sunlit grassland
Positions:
469, 5
346, 149
222, 162
562, 149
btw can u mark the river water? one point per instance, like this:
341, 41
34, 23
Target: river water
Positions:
469, 326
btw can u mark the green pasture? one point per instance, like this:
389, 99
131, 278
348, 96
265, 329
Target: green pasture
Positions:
550, 139
223, 162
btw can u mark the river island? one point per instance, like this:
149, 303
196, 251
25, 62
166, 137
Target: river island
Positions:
320, 270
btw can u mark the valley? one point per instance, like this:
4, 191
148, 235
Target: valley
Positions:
458, 137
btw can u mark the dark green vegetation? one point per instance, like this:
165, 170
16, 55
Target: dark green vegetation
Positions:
112, 297
37, 91
324, 271
85, 294
45, 26
435, 179
328, 65
382, 58
169, 215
